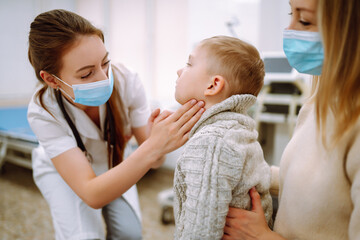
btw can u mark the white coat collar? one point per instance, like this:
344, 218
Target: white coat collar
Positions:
85, 126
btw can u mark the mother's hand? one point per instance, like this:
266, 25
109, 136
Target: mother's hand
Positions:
170, 131
244, 225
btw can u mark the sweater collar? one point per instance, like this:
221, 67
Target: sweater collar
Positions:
236, 103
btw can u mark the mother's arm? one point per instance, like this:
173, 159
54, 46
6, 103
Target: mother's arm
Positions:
243, 224
246, 225
274, 182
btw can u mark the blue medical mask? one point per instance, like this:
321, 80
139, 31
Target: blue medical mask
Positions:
304, 51
92, 94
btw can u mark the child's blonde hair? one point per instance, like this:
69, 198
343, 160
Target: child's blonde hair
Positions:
237, 61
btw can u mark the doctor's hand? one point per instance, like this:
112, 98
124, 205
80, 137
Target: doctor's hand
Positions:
245, 225
151, 120
170, 130
150, 123
159, 162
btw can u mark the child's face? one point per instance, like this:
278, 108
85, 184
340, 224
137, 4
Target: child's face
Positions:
193, 79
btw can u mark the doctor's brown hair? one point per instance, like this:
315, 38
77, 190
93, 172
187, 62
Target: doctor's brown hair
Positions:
51, 34
237, 61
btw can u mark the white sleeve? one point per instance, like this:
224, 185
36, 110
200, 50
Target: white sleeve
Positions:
52, 136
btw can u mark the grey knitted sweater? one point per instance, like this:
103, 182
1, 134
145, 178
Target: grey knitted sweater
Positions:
220, 163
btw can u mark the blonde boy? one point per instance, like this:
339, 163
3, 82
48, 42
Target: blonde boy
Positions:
222, 160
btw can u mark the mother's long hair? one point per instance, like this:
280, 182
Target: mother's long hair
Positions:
338, 88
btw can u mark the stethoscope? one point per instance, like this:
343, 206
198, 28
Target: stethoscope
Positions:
109, 128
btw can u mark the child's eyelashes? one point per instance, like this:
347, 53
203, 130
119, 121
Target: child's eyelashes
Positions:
188, 64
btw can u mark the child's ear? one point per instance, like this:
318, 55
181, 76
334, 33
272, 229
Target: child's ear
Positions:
216, 85
49, 79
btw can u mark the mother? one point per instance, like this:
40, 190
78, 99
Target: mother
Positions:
319, 177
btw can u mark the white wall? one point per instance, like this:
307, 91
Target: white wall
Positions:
150, 37
208, 18
171, 31
128, 34
17, 78
274, 18
154, 37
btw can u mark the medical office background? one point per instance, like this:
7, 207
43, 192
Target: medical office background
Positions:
152, 37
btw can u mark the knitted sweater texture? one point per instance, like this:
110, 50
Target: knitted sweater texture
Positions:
220, 163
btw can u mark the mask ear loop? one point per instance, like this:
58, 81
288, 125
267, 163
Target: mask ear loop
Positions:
62, 90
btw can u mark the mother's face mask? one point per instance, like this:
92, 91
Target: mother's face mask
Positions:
304, 51
92, 94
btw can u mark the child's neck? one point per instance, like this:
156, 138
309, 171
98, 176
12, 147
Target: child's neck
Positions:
209, 102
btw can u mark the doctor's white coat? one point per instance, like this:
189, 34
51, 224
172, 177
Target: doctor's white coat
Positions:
55, 136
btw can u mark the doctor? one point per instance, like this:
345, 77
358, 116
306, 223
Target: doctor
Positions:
319, 177
83, 116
